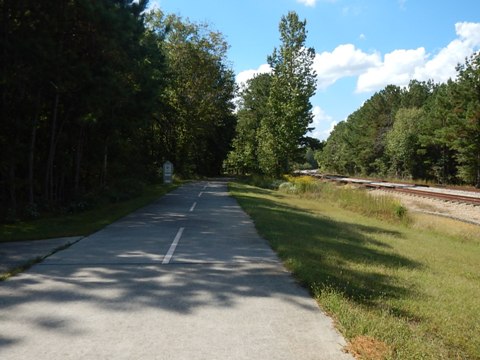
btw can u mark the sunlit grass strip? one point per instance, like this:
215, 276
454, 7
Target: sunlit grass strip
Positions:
413, 290
83, 223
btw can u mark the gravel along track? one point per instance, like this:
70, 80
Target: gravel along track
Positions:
462, 212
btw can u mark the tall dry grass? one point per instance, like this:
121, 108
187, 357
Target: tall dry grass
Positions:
347, 197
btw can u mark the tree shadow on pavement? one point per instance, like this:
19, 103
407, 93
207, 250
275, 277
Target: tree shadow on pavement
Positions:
325, 253
221, 264
67, 298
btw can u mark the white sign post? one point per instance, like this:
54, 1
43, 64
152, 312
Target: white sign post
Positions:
167, 172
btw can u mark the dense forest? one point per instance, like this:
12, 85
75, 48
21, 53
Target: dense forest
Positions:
423, 131
96, 95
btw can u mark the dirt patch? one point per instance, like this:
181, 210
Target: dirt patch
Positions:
368, 348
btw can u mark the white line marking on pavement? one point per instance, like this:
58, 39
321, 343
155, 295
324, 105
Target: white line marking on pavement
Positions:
193, 206
201, 193
170, 252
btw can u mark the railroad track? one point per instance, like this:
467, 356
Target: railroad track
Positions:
450, 195
442, 196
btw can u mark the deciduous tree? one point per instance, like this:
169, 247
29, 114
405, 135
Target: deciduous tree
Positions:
292, 86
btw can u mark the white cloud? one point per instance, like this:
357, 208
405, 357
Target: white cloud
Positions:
400, 66
153, 5
312, 3
442, 66
352, 10
308, 2
320, 122
326, 133
320, 116
469, 32
345, 60
246, 75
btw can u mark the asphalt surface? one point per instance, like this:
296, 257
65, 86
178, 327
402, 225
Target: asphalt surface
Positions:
187, 277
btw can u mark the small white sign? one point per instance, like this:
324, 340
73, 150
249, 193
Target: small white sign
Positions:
167, 172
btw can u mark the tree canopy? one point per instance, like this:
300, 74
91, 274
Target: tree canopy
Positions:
96, 95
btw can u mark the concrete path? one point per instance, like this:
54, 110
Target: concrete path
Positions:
19, 253
184, 278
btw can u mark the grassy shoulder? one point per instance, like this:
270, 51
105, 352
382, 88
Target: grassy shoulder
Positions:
83, 223
407, 291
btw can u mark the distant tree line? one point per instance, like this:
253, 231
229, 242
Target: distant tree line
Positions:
423, 131
96, 95
274, 110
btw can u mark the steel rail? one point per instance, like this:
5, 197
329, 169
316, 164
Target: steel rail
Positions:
403, 188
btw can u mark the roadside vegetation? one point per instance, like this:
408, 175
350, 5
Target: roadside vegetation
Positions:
397, 289
85, 222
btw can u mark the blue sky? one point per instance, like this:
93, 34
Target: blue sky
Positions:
361, 45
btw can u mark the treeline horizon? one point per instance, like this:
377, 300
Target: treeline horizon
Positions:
425, 131
96, 95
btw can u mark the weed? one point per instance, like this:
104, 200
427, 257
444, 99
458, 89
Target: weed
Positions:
400, 211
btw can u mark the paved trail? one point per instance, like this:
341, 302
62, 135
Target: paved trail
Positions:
187, 277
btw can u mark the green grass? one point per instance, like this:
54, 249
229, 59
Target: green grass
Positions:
83, 223
411, 287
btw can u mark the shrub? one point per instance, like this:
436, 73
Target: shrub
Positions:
287, 187
125, 189
264, 182
31, 211
78, 206
400, 211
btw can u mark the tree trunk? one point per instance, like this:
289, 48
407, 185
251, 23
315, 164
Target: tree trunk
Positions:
12, 190
31, 158
78, 160
60, 188
105, 166
51, 153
